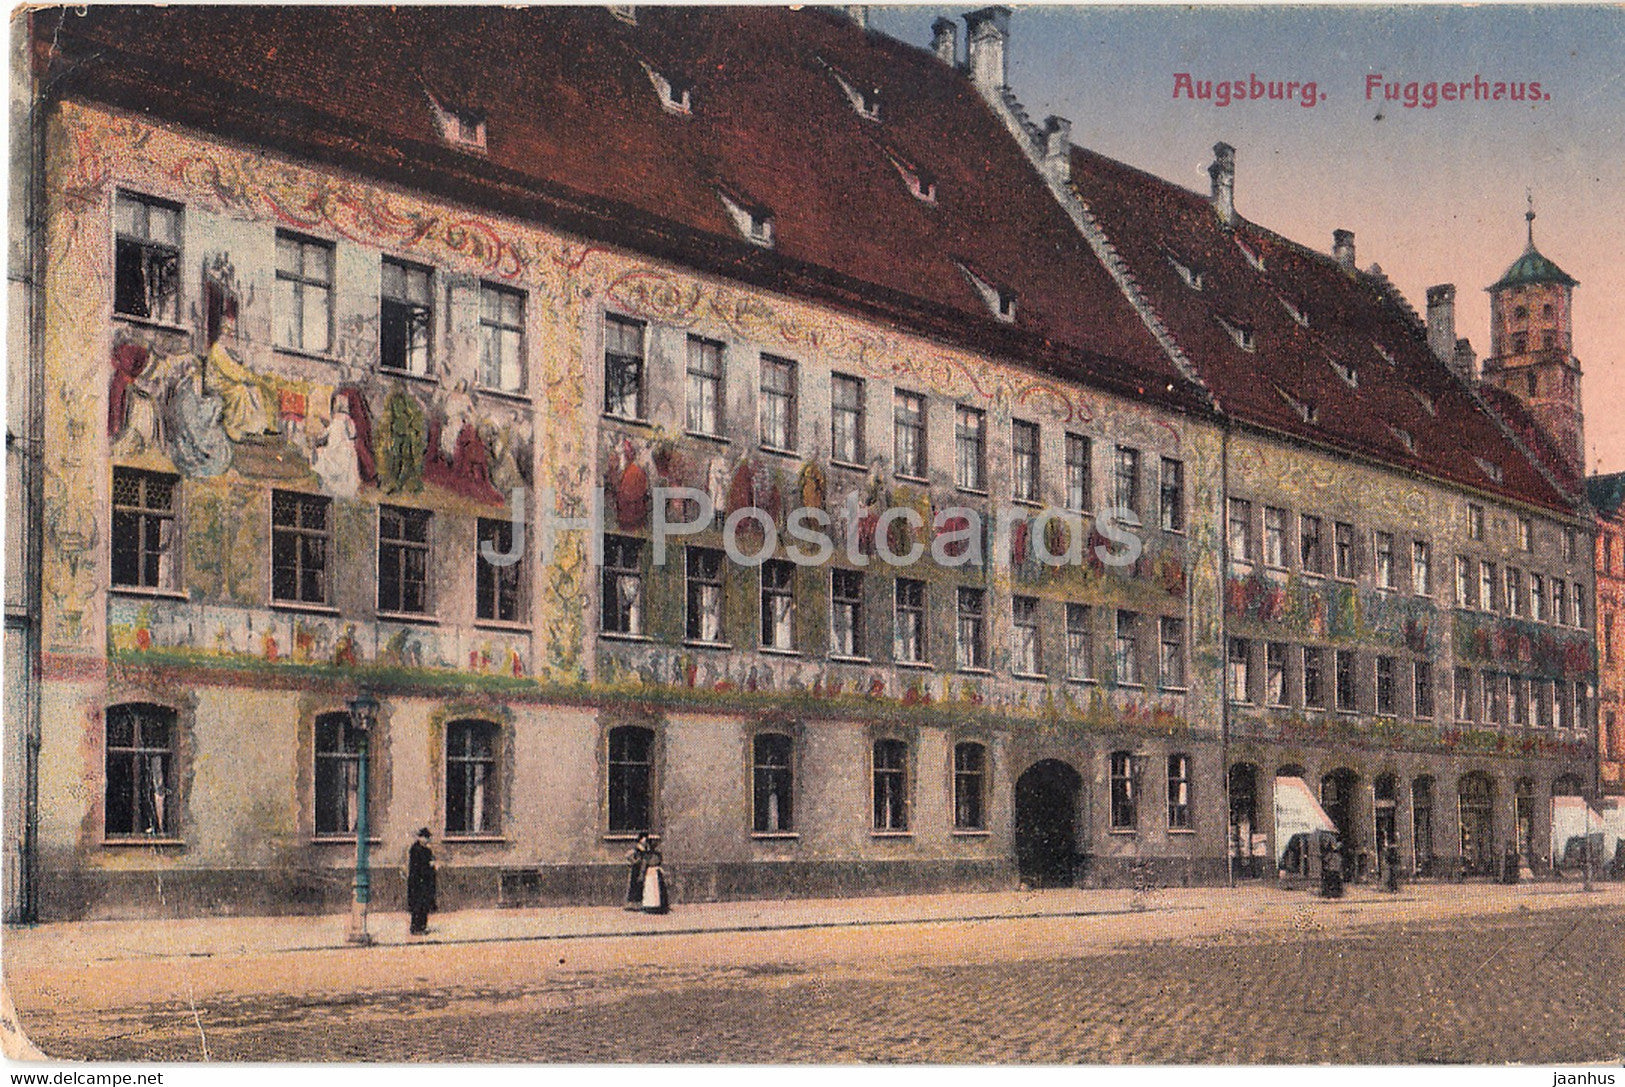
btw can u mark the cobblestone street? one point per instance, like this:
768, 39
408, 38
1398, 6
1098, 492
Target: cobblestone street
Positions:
1295, 981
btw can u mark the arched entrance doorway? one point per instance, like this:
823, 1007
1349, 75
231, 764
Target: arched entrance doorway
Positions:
1385, 809
1422, 824
1248, 842
1337, 791
1477, 805
1046, 815
1523, 817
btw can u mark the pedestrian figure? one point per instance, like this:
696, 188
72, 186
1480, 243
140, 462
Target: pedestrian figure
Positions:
1331, 868
637, 858
656, 899
420, 883
1391, 859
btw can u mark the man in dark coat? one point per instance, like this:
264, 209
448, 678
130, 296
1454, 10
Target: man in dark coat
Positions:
420, 882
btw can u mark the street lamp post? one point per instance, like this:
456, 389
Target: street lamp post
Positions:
363, 715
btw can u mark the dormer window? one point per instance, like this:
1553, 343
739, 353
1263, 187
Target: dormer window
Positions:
1387, 356
673, 92
921, 185
1347, 372
1191, 275
1305, 409
865, 100
1242, 334
626, 13
752, 220
462, 128
1428, 403
1403, 437
1001, 301
1252, 257
1297, 313
1489, 468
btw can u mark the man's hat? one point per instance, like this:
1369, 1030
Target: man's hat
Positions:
423, 832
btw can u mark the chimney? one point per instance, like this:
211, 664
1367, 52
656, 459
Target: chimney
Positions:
945, 41
1223, 173
1343, 249
987, 33
1465, 361
1442, 322
1057, 133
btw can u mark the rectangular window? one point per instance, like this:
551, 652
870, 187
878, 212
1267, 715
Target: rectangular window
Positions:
1241, 530
909, 636
846, 613
1128, 648
771, 791
338, 774
1125, 794
1080, 641
1344, 661
1422, 688
1421, 568
471, 778
301, 540
1464, 694
778, 403
1387, 696
500, 588
1024, 460
1241, 680
1495, 698
970, 785
1314, 678
1025, 658
908, 434
1579, 608
778, 604
630, 779
623, 367
1514, 591
1079, 485
1526, 534
970, 648
1486, 586
703, 567
147, 258
970, 452
1173, 495
705, 396
1475, 521
1520, 701
405, 303
1560, 607
1274, 536
1537, 598
1560, 699
1179, 792
1465, 595
622, 602
1343, 549
304, 293
403, 560
140, 771
1275, 674
846, 419
1128, 479
1571, 543
891, 785
1309, 549
502, 338
144, 540
1171, 661
1383, 545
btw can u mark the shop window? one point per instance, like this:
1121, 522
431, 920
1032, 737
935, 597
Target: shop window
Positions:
338, 774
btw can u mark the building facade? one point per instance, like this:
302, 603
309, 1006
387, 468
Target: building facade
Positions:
1607, 493
359, 404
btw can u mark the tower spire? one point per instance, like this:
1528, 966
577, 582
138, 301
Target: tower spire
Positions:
1529, 216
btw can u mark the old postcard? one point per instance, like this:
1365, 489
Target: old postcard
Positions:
637, 534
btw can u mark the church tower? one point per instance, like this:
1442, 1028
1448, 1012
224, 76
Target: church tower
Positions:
1532, 345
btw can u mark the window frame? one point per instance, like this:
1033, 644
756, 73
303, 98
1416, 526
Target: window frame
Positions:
1171, 489
970, 449
1180, 810
146, 247
1126, 481
500, 331
621, 570
1128, 665
774, 401
499, 583
970, 784
631, 780
779, 780
346, 756
1080, 642
167, 553
1171, 671
1026, 644
855, 389
301, 282
488, 785
846, 598
705, 591
154, 804
1124, 813
402, 546
619, 361
706, 371
889, 785
1079, 463
777, 589
911, 467
917, 614
1025, 460
970, 622
300, 533
410, 315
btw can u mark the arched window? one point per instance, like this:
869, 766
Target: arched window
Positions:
773, 783
140, 771
631, 778
472, 792
970, 785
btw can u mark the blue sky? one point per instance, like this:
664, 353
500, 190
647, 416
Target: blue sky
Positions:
1433, 195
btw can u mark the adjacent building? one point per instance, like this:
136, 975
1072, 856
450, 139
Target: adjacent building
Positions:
459, 388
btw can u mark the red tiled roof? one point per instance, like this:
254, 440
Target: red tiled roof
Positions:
1355, 321
577, 136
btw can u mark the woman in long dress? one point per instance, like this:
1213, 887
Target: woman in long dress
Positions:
656, 898
637, 860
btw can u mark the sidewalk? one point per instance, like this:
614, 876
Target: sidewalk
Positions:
64, 943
